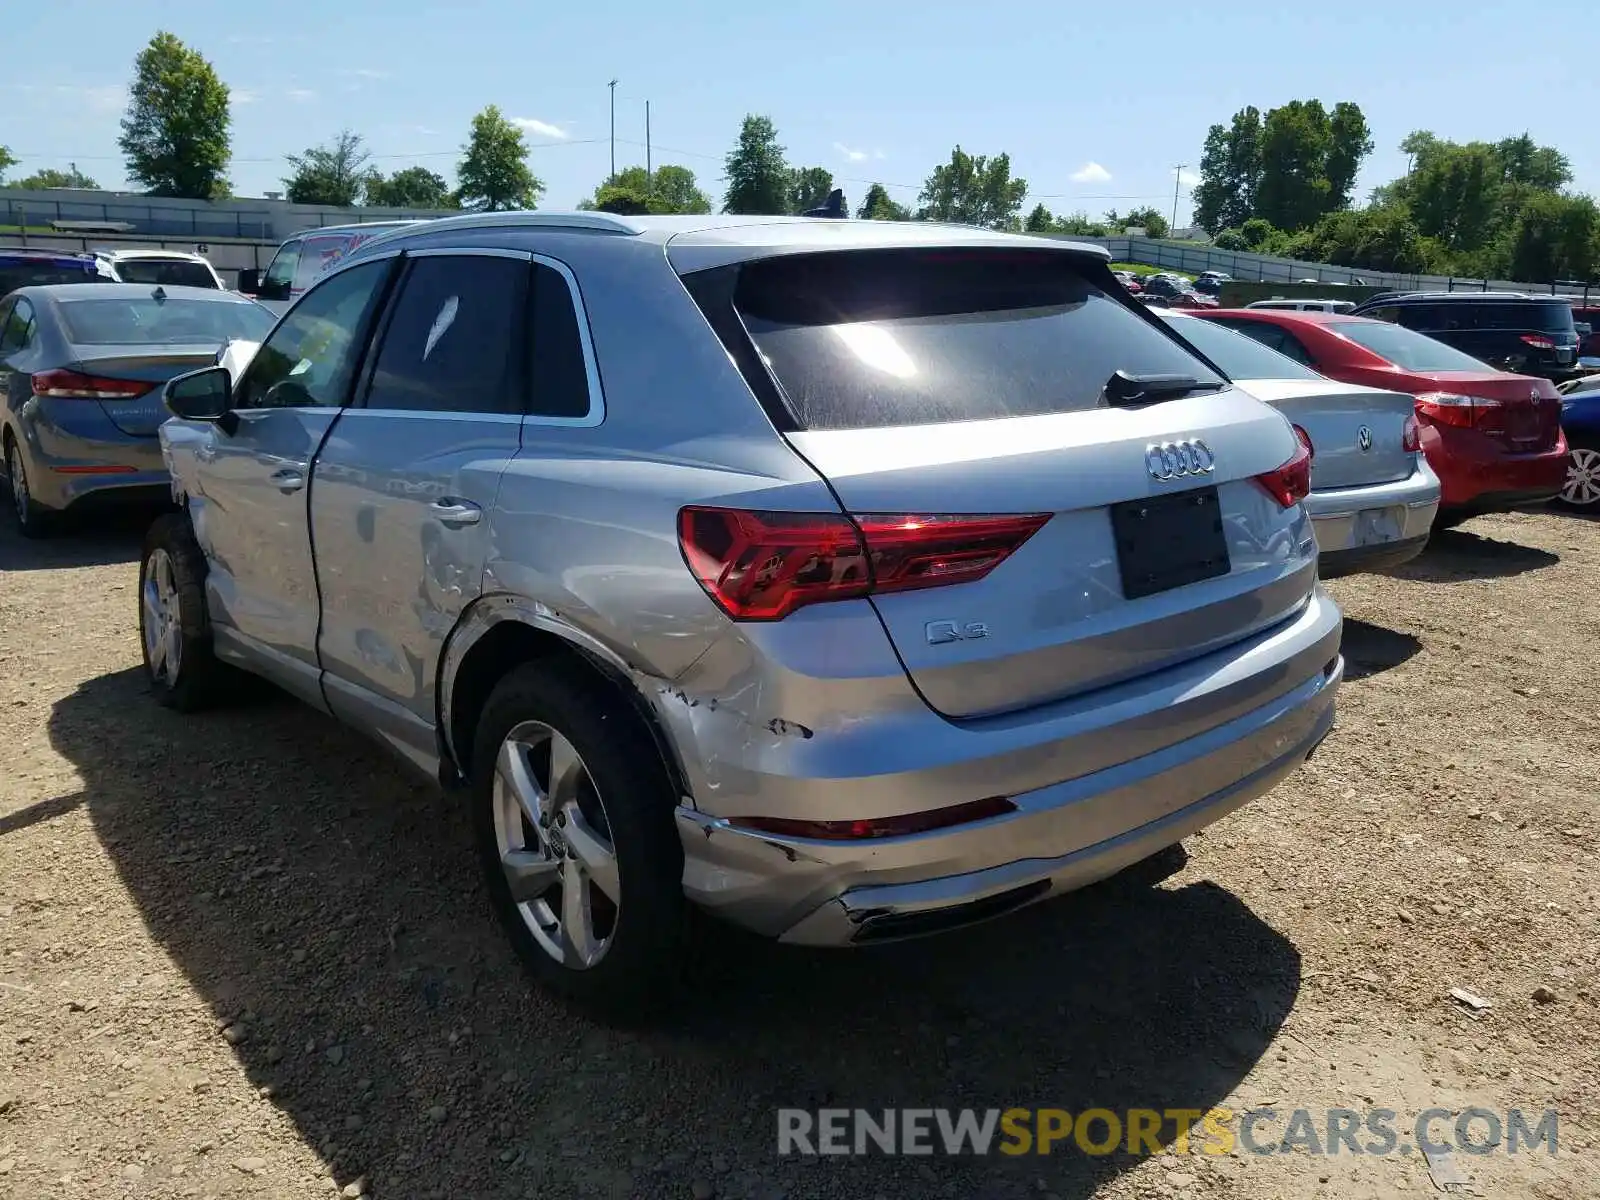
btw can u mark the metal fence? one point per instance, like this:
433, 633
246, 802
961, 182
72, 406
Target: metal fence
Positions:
1267, 268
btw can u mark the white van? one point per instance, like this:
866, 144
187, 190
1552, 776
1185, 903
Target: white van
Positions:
305, 256
1333, 306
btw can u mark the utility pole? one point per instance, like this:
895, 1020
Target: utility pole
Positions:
613, 86
649, 164
1177, 178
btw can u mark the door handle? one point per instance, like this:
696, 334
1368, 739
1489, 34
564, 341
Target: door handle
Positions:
288, 480
456, 514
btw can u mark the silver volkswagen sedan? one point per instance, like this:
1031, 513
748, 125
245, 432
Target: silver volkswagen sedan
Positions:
1373, 496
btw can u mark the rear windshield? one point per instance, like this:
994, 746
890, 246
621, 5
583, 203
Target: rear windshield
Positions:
144, 320
31, 272
1553, 316
894, 337
170, 271
1405, 348
1239, 356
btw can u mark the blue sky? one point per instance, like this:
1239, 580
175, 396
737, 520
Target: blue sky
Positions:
1094, 103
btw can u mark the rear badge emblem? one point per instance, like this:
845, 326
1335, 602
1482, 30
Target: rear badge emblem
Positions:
940, 632
1364, 439
1174, 460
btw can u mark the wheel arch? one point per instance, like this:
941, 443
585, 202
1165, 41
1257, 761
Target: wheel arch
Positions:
498, 633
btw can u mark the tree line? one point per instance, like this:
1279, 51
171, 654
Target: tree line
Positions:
1280, 182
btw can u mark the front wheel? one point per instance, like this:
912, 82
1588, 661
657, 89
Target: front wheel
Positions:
1581, 491
174, 626
573, 814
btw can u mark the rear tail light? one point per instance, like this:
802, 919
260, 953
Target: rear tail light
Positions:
1462, 412
1290, 483
761, 566
70, 385
1411, 435
1305, 440
880, 827
1538, 341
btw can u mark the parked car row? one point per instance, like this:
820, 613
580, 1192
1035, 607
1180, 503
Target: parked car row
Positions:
847, 583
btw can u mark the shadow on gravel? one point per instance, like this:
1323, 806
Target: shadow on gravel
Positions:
1454, 554
332, 909
106, 538
1369, 649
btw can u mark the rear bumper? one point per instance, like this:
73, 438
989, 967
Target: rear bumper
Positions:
1380, 526
1063, 835
1478, 475
68, 463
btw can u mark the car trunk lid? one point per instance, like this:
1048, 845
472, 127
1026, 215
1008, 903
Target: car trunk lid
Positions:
1357, 433
127, 380
934, 389
1524, 415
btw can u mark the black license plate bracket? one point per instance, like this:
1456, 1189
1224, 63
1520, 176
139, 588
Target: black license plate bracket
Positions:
1165, 542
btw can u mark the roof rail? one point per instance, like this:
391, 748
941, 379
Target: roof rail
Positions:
598, 222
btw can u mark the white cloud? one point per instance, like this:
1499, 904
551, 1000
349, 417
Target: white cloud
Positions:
300, 95
852, 155
366, 73
1188, 178
1091, 172
542, 128
243, 95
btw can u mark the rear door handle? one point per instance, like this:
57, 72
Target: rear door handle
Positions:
288, 480
456, 514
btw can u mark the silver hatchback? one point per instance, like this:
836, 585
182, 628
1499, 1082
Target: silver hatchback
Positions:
849, 580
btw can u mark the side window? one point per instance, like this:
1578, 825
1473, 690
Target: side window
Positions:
1263, 332
280, 271
558, 371
1293, 347
7, 307
309, 360
18, 328
1390, 313
449, 342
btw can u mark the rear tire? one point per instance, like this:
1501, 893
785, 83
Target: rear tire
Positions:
174, 624
33, 520
584, 870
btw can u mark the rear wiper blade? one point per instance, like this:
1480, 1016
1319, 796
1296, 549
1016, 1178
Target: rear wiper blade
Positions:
1126, 389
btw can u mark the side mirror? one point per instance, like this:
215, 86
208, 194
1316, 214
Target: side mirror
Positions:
203, 395
250, 281
267, 289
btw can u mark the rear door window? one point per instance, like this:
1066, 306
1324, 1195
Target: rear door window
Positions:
893, 337
17, 333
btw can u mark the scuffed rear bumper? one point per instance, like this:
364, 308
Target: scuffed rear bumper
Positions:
1375, 527
1063, 836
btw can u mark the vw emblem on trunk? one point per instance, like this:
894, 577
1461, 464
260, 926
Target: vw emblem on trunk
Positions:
1364, 439
1175, 460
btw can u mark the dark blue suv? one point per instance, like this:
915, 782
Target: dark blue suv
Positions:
28, 266
1513, 331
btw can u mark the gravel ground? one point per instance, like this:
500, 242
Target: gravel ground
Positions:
242, 955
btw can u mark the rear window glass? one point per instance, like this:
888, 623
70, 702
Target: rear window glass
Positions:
31, 272
172, 272
145, 320
1239, 356
881, 338
1405, 348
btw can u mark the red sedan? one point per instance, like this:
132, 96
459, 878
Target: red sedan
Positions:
1494, 439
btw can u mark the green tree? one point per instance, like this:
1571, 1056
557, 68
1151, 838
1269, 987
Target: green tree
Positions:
808, 188
758, 176
175, 132
335, 174
1258, 234
972, 190
1080, 225
1230, 171
7, 161
620, 199
1349, 143
633, 190
675, 190
52, 178
1150, 220
412, 187
878, 206
1531, 165
493, 172
1230, 239
1554, 238
1455, 192
1040, 220
1294, 191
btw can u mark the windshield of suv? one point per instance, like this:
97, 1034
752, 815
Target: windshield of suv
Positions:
1240, 357
898, 337
124, 321
174, 272
1405, 349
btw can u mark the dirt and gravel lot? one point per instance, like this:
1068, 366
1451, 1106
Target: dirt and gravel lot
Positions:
242, 955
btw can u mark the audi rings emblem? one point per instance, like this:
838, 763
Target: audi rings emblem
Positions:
1178, 460
1364, 438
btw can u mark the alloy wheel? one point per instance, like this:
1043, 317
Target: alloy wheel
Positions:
163, 631
21, 498
1582, 487
555, 846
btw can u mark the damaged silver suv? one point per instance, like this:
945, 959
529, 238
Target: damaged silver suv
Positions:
849, 580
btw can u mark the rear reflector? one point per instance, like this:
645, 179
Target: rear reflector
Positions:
70, 385
97, 469
761, 566
880, 827
1290, 483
